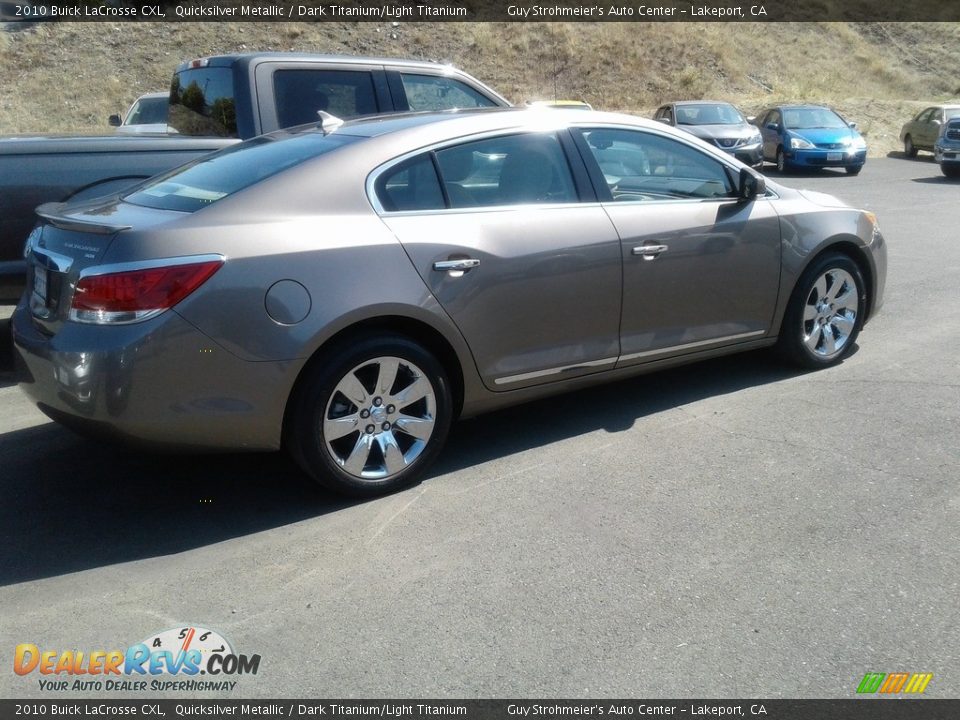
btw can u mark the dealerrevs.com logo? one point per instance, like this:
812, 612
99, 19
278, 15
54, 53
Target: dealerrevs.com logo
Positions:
171, 660
893, 683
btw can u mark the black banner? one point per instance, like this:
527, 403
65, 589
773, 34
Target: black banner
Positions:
479, 10
852, 709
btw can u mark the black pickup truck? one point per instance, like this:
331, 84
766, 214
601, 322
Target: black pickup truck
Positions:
214, 102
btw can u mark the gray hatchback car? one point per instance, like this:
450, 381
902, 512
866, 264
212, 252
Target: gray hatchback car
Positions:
347, 290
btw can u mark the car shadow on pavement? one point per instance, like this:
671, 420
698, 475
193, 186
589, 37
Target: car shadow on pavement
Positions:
936, 180
798, 174
901, 155
72, 504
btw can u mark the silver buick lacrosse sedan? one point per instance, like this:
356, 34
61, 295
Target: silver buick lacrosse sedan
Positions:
346, 290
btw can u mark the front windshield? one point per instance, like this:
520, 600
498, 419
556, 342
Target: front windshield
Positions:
708, 114
808, 118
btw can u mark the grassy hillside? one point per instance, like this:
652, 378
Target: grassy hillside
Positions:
69, 77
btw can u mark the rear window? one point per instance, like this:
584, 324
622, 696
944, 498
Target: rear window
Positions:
203, 182
202, 103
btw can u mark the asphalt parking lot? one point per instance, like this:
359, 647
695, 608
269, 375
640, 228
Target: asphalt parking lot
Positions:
727, 529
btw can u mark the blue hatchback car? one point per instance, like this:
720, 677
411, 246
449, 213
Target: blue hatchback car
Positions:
810, 136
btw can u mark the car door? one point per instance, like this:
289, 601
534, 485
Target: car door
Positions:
515, 250
771, 136
701, 269
931, 128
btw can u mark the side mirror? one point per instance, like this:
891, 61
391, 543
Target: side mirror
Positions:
752, 185
752, 119
936, 121
115, 121
664, 120
773, 126
853, 125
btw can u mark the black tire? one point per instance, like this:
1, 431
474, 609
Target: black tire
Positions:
908, 147
319, 399
782, 165
950, 170
806, 341
853, 169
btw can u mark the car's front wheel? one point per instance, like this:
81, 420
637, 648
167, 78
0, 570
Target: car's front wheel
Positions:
371, 417
853, 169
950, 170
825, 313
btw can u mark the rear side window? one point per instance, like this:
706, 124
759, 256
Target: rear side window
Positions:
300, 94
211, 178
202, 103
512, 170
411, 185
436, 92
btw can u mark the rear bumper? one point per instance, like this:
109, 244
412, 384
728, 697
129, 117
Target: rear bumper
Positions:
160, 383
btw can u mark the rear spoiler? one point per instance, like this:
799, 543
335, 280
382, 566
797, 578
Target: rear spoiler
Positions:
53, 213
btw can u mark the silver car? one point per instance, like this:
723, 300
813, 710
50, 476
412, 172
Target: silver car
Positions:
345, 291
717, 123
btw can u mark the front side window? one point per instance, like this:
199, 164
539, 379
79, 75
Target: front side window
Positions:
644, 166
436, 92
301, 94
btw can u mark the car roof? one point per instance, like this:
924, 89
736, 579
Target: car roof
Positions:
803, 106
700, 102
468, 122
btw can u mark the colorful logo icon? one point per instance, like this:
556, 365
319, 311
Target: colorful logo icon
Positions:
893, 683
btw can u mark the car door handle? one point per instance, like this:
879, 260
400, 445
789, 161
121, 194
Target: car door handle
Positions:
461, 265
650, 252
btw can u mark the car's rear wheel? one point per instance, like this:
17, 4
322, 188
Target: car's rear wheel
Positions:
825, 313
908, 148
782, 165
371, 417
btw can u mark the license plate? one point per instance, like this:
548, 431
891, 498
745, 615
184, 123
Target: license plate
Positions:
833, 157
950, 155
40, 283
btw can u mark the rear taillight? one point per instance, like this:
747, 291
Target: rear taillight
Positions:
126, 296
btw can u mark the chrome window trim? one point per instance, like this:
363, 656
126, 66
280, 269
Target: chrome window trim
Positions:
713, 152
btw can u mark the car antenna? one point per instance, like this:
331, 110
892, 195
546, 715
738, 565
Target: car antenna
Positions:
328, 122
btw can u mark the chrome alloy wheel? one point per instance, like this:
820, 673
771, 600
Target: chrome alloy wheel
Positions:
379, 418
830, 313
